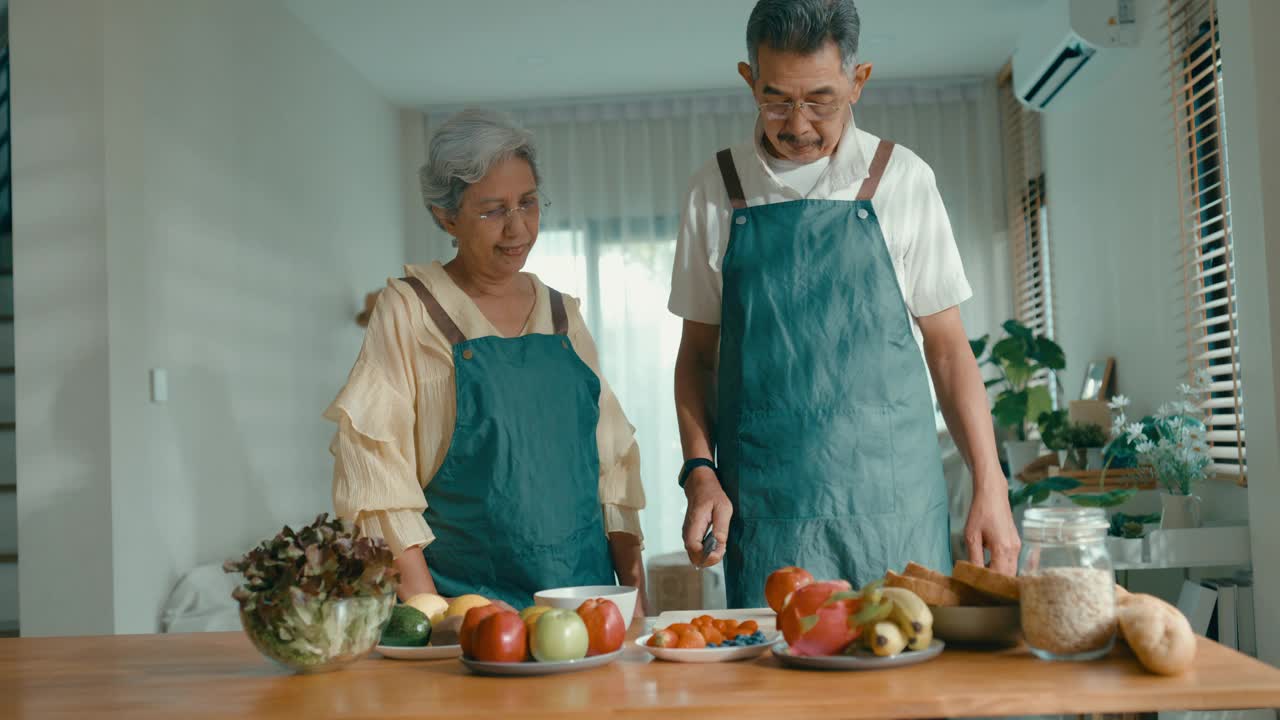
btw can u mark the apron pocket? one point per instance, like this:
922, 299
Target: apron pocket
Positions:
822, 464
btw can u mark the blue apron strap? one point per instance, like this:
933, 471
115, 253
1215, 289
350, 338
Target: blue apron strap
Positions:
559, 318
441, 318
878, 163
731, 181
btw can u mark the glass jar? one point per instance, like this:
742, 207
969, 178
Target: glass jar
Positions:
1067, 583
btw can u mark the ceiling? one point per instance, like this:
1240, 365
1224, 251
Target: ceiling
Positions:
432, 53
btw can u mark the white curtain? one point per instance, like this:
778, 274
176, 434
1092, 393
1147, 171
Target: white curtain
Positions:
616, 173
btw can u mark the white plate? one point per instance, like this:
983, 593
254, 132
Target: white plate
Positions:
708, 655
864, 660
539, 668
428, 652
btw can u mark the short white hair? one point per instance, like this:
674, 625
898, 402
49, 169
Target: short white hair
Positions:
463, 151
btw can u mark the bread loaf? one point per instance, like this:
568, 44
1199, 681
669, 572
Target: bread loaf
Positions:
1158, 633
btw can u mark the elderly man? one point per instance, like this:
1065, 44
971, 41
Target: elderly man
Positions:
817, 276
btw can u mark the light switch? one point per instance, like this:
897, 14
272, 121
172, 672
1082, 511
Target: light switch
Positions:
159, 385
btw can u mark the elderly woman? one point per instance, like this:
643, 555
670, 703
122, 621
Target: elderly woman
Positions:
475, 432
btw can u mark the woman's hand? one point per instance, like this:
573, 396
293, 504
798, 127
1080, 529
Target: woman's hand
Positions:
415, 579
629, 565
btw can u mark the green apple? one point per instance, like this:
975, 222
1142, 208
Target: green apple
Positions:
559, 635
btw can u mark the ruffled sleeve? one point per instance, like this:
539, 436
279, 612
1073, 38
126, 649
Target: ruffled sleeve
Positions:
621, 491
375, 479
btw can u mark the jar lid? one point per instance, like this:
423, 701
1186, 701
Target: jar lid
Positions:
1065, 518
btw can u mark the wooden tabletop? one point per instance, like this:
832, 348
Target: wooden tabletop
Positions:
220, 674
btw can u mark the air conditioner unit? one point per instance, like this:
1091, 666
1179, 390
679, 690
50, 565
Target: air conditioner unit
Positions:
1064, 36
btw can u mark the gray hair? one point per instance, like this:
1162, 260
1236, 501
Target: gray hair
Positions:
804, 26
463, 151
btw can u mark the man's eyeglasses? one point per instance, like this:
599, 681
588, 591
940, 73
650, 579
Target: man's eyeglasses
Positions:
810, 110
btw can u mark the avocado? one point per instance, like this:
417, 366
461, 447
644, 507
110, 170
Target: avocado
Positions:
408, 627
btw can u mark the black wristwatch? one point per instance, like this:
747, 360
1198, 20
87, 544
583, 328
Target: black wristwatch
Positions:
694, 463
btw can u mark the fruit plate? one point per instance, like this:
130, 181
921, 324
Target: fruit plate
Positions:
764, 617
427, 652
539, 668
863, 660
708, 655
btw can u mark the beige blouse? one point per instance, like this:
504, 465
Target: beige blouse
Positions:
396, 413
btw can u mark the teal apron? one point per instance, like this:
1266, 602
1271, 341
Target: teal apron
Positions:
515, 507
826, 439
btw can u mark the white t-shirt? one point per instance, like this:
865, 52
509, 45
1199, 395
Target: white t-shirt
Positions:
912, 218
801, 176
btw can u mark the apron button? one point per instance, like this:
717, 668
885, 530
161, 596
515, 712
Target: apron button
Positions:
564, 344
862, 213
741, 220
467, 354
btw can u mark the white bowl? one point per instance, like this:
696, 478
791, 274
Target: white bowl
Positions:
624, 596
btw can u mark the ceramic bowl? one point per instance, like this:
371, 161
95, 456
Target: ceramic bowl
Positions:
995, 626
569, 598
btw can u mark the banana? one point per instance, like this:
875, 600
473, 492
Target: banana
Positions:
921, 640
909, 611
887, 639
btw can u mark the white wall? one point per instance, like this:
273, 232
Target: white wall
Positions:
249, 194
60, 291
1249, 57
1113, 220
1113, 227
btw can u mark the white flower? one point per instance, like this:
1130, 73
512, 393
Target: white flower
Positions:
1186, 389
1203, 378
1165, 410
1118, 402
1134, 430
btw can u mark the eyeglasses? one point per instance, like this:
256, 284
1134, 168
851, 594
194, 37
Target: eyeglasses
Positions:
811, 110
529, 207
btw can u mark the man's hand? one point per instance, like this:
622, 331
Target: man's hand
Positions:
708, 506
990, 527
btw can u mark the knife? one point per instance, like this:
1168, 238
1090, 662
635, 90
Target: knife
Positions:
708, 546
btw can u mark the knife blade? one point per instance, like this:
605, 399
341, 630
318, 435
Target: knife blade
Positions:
708, 546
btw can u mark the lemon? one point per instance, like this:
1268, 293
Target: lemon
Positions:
530, 616
461, 604
429, 604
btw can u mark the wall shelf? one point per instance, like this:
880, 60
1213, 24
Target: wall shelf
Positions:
1193, 548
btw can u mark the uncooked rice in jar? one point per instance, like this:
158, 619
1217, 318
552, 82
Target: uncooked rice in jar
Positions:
1068, 610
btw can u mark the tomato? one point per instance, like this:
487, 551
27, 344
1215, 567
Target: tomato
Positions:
663, 638
691, 640
805, 603
469, 623
782, 583
605, 627
500, 637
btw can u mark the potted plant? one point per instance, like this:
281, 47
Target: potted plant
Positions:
1124, 537
1172, 446
1040, 491
1018, 360
316, 599
1084, 443
1053, 431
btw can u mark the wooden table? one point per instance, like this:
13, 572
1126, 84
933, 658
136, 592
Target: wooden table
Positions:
221, 675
